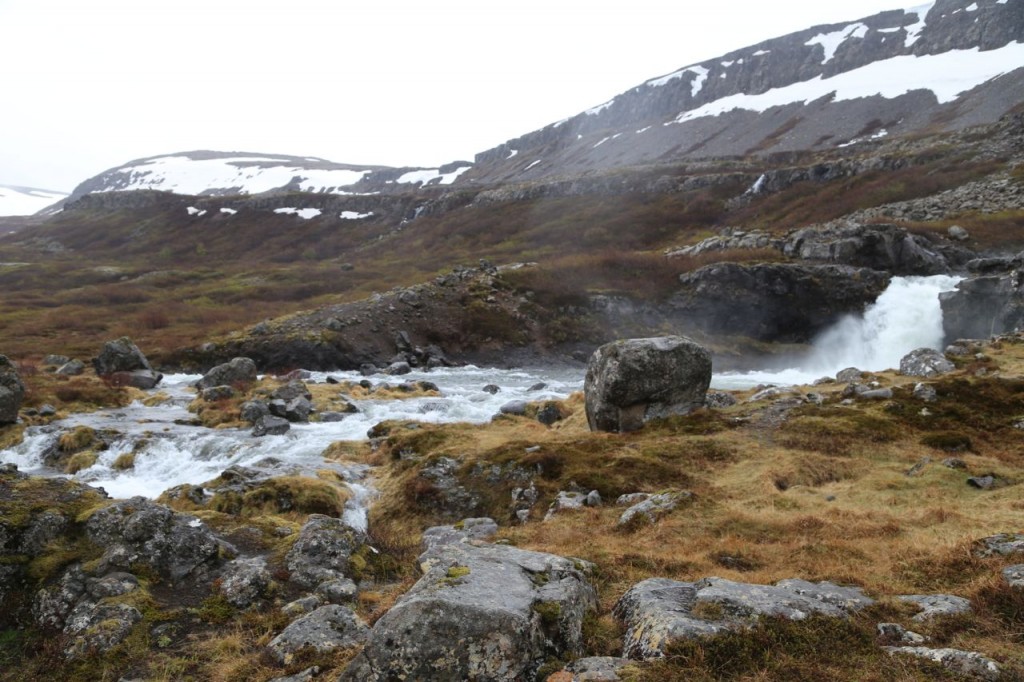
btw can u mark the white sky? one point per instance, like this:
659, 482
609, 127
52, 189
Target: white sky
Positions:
86, 85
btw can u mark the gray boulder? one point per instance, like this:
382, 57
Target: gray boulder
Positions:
138, 531
237, 371
925, 362
72, 368
252, 410
326, 629
658, 611
322, 551
631, 382
269, 425
925, 392
650, 508
398, 368
12, 391
215, 393
491, 612
143, 379
119, 356
1000, 544
95, 628
243, 581
513, 407
596, 669
937, 605
291, 391
1014, 576
467, 530
969, 664
55, 360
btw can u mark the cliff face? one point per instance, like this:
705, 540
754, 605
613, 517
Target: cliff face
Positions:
819, 88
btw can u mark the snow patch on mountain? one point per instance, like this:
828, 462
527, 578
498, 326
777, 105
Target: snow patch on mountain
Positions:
914, 30
19, 201
427, 176
243, 174
304, 213
947, 75
830, 42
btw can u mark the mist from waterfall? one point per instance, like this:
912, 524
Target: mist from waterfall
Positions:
906, 316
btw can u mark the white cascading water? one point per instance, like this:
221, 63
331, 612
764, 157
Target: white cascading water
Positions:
905, 317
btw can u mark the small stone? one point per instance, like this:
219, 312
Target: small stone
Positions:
514, 407
935, 605
540, 386
954, 463
925, 392
270, 425
981, 482
491, 388
850, 375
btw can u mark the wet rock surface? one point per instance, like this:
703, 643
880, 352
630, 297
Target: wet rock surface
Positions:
235, 372
12, 391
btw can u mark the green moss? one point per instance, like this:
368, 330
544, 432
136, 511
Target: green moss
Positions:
216, 610
549, 611
125, 461
80, 461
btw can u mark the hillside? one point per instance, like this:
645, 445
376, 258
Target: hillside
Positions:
24, 201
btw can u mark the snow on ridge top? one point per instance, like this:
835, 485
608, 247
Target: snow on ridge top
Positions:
594, 111
185, 175
699, 71
830, 42
946, 74
426, 176
914, 30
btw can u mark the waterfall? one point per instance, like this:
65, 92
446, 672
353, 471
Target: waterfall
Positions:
906, 316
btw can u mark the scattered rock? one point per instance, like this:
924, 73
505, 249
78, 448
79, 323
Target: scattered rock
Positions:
290, 391
925, 362
719, 400
492, 612
982, 482
631, 382
306, 675
120, 356
894, 632
72, 368
514, 407
55, 360
850, 375
549, 414
322, 551
968, 663
958, 233
491, 388
142, 379
239, 371
398, 368
925, 392
269, 425
1014, 576
539, 386
326, 629
138, 531
658, 611
653, 507
252, 410
12, 391
876, 394
95, 628
1001, 544
342, 591
936, 605
243, 581
467, 530
593, 669
215, 393
954, 463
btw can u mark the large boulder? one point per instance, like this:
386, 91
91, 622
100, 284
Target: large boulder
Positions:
123, 363
985, 305
925, 362
138, 531
322, 551
12, 391
782, 302
237, 371
659, 611
489, 612
325, 629
630, 382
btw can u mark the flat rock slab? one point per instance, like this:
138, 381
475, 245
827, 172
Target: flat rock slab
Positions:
968, 663
325, 629
937, 605
489, 612
658, 611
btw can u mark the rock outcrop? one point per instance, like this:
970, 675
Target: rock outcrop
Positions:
774, 301
489, 612
658, 611
988, 304
12, 391
631, 382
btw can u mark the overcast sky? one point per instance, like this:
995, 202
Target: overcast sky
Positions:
90, 84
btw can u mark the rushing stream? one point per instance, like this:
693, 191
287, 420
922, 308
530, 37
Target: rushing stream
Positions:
169, 452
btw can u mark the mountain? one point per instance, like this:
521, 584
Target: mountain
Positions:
209, 173
942, 66
24, 201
